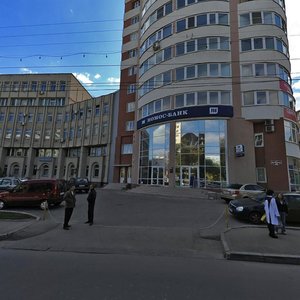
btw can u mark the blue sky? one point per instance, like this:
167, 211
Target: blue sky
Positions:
83, 37
70, 36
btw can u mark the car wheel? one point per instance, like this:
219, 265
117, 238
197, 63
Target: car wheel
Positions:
255, 217
1, 204
44, 205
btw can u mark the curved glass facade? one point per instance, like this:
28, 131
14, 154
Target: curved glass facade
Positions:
200, 153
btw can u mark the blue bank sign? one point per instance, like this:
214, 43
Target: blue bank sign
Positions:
224, 111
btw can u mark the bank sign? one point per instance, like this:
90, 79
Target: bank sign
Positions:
216, 111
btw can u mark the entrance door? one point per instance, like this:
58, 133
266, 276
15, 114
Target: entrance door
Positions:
188, 174
157, 176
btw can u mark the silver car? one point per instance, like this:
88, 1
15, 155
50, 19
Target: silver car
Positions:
234, 191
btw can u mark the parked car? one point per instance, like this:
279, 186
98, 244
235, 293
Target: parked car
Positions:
34, 193
8, 183
81, 184
252, 209
234, 191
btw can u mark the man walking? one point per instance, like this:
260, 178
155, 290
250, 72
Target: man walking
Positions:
91, 204
272, 213
70, 200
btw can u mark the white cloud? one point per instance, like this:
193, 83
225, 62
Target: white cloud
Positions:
113, 80
26, 71
84, 78
97, 76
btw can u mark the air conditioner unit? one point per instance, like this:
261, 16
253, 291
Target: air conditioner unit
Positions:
156, 46
42, 92
270, 128
269, 122
62, 140
22, 123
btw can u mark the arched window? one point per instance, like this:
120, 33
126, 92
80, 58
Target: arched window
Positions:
45, 171
96, 170
16, 170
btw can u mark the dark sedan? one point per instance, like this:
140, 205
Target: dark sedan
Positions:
252, 209
81, 184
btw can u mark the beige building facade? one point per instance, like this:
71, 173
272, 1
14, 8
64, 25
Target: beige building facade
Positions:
211, 85
51, 127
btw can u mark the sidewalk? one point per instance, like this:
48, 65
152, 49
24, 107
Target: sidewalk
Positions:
248, 243
252, 243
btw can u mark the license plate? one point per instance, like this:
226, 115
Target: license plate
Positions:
82, 185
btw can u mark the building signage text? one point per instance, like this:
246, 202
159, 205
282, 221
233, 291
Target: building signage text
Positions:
187, 112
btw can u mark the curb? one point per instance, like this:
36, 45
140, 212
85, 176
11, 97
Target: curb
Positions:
5, 236
256, 256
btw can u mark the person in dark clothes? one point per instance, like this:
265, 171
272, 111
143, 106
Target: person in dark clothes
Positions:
70, 200
283, 211
91, 204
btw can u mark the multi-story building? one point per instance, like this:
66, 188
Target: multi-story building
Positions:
50, 126
211, 88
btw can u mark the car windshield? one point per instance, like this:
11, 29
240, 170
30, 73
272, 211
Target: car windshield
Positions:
259, 198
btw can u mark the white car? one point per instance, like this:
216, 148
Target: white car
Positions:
234, 191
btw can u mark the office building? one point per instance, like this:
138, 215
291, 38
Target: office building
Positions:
206, 95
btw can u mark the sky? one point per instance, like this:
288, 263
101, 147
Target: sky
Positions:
84, 38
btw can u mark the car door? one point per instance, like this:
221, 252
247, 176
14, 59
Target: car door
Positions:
294, 208
18, 196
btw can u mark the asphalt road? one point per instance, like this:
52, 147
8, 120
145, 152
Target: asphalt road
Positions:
30, 275
65, 265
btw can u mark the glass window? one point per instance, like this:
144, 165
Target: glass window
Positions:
213, 43
202, 44
261, 97
259, 70
244, 20
246, 45
213, 70
256, 18
249, 98
190, 99
180, 74
202, 20
213, 97
223, 19
259, 140
247, 70
190, 46
190, 72
202, 70
179, 101
202, 98
258, 43
180, 25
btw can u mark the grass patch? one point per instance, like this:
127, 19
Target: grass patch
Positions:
7, 215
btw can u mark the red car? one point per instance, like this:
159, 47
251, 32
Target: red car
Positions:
34, 193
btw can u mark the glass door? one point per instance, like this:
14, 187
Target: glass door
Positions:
157, 176
188, 174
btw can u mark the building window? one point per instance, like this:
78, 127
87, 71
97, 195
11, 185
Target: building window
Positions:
290, 130
130, 106
259, 140
261, 175
129, 125
127, 149
97, 111
131, 89
45, 171
96, 171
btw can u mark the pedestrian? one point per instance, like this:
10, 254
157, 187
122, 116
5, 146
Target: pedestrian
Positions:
70, 200
91, 204
272, 213
283, 211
